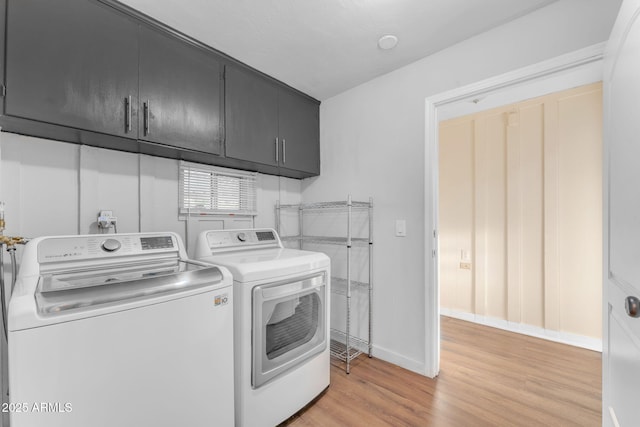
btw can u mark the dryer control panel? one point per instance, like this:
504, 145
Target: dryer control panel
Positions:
229, 240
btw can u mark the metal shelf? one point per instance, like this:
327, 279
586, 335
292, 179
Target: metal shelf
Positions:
349, 346
327, 240
339, 349
343, 204
339, 285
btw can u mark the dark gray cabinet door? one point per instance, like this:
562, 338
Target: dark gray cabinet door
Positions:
3, 26
251, 117
299, 132
72, 63
180, 93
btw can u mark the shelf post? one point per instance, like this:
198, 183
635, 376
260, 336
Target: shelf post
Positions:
370, 273
347, 339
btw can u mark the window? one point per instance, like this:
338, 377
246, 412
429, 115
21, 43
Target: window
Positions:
212, 190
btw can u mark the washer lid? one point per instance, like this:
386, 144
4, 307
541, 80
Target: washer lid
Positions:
263, 264
63, 292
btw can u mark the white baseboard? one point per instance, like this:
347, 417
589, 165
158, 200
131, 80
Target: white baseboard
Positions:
398, 359
386, 355
534, 331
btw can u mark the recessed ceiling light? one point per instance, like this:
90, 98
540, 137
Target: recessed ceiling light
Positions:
387, 42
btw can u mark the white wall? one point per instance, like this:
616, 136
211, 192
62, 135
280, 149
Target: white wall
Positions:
56, 188
372, 144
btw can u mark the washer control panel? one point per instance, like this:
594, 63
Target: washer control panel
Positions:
55, 249
156, 242
231, 239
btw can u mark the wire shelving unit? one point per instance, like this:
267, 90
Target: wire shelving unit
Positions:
345, 345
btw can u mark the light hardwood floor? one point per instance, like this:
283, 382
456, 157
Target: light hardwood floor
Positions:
488, 377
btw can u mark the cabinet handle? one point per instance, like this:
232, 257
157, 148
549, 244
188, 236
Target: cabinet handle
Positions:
277, 159
127, 107
284, 151
147, 127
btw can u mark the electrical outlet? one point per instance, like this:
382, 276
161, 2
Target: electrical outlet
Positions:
465, 265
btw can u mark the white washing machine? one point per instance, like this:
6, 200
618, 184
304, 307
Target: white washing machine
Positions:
281, 321
120, 330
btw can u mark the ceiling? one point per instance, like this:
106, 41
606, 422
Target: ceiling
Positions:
324, 47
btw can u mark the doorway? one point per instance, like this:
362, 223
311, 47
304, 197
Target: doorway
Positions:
520, 209
578, 68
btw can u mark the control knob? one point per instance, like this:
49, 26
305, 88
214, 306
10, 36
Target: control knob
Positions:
110, 245
242, 237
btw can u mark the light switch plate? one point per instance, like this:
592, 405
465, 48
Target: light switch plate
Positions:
401, 228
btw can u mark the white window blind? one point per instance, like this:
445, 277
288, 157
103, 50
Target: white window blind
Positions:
212, 190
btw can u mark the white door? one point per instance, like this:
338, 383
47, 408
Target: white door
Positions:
621, 332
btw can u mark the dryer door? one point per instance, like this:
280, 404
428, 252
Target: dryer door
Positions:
289, 325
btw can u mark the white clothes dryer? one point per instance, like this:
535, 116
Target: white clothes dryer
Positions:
120, 330
281, 321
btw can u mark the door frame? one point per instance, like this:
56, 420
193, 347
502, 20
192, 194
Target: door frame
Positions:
480, 89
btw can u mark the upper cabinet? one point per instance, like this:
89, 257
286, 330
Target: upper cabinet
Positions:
72, 63
299, 129
271, 124
251, 117
180, 93
97, 72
